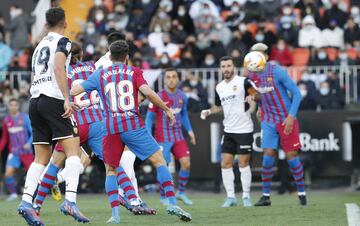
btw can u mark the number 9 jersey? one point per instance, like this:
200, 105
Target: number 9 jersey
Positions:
43, 65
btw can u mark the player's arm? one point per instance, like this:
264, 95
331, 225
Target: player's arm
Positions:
62, 51
156, 100
252, 94
5, 137
86, 86
186, 121
150, 116
214, 109
28, 128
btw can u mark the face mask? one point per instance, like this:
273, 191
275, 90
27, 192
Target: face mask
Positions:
157, 29
206, 11
305, 77
235, 9
343, 56
14, 13
97, 2
99, 16
242, 28
193, 82
322, 55
259, 37
218, 26
164, 60
181, 12
281, 46
90, 30
145, 2
303, 92
355, 11
286, 26
103, 43
162, 15
287, 11
209, 61
324, 91
308, 26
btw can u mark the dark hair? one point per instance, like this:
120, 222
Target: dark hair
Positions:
171, 69
226, 58
15, 6
75, 52
55, 16
14, 99
119, 50
115, 36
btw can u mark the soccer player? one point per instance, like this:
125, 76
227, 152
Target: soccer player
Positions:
16, 132
278, 124
118, 86
88, 115
170, 137
128, 158
234, 95
50, 115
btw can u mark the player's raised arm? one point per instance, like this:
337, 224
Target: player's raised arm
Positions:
156, 100
150, 116
214, 109
186, 121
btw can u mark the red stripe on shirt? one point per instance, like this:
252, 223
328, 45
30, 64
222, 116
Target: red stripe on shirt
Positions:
117, 80
281, 102
123, 118
269, 108
104, 102
276, 106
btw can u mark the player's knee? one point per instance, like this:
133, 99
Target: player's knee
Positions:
243, 164
290, 155
58, 159
110, 170
269, 152
226, 164
9, 172
186, 165
157, 159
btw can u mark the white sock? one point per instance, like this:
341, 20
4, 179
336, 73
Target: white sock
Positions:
127, 162
61, 176
228, 180
72, 179
32, 179
245, 180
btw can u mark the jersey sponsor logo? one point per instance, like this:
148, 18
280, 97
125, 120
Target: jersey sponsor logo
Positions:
15, 129
175, 110
234, 88
125, 114
41, 80
228, 98
181, 102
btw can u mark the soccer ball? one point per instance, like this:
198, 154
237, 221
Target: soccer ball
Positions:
255, 61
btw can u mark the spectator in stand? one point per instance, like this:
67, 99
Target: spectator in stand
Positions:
185, 20
95, 9
165, 61
119, 17
333, 36
238, 58
195, 92
334, 83
171, 49
222, 32
19, 27
236, 16
210, 61
306, 79
307, 103
187, 59
139, 61
326, 99
5, 57
352, 32
355, 13
265, 35
309, 35
343, 59
309, 8
281, 53
271, 8
146, 51
162, 19
319, 58
237, 44
246, 36
2, 24
287, 29
98, 17
178, 34
335, 13
203, 7
155, 35
24, 98
3, 108
204, 22
137, 24
216, 47
253, 11
9, 93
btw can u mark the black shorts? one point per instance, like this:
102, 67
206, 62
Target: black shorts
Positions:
46, 121
233, 143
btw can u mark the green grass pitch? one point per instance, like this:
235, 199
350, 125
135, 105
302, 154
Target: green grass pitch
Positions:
324, 208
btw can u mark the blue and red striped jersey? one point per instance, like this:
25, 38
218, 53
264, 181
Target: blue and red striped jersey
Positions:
164, 132
16, 132
277, 104
118, 87
90, 109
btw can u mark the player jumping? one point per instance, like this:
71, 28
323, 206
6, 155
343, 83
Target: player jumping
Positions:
50, 115
278, 124
16, 132
234, 96
170, 137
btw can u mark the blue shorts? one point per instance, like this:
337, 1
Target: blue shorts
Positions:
95, 139
15, 161
140, 142
269, 136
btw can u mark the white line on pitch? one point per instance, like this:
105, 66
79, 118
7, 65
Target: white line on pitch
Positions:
353, 214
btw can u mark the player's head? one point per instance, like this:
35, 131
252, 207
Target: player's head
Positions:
227, 67
119, 51
261, 47
76, 53
115, 36
13, 106
55, 19
171, 78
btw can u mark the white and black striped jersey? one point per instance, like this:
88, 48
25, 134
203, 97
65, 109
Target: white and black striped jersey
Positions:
230, 95
43, 62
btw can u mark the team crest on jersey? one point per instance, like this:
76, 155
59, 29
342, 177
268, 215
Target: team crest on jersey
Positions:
234, 88
76, 131
269, 80
181, 102
20, 122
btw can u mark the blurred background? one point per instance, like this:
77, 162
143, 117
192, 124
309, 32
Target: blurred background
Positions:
318, 41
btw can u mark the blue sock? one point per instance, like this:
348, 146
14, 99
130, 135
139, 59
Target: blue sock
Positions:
111, 188
125, 184
183, 180
267, 174
166, 182
161, 189
298, 173
46, 184
10, 184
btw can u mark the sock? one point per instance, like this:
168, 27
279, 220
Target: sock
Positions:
228, 180
166, 182
31, 182
245, 178
111, 188
125, 184
10, 184
183, 180
267, 174
161, 189
72, 179
127, 162
296, 169
46, 183
60, 177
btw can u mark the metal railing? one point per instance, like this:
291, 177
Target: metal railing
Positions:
348, 77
